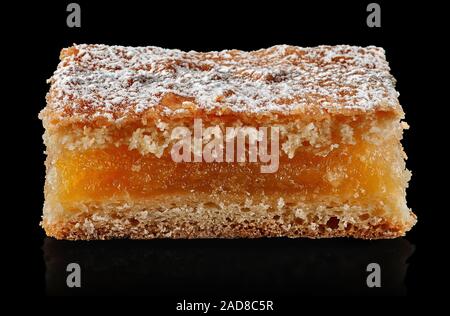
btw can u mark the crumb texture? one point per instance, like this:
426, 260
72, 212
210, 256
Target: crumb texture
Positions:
116, 82
212, 220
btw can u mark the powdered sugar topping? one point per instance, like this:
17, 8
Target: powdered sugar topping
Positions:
116, 81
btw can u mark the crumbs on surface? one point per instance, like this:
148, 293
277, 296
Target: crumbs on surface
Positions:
114, 82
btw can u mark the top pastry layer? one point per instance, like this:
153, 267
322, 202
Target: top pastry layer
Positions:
114, 84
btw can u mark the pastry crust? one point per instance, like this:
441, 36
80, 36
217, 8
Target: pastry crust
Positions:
223, 216
232, 222
100, 85
327, 101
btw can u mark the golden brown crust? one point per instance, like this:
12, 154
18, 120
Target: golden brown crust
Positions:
102, 85
154, 224
222, 216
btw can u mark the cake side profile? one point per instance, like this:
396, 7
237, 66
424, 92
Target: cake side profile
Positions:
331, 114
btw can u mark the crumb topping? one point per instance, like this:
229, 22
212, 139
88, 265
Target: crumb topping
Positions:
115, 82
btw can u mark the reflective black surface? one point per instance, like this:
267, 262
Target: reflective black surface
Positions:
237, 267
38, 31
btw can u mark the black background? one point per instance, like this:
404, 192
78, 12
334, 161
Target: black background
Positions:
413, 40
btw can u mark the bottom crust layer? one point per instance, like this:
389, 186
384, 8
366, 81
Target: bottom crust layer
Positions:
231, 221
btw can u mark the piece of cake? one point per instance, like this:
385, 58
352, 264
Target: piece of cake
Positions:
146, 142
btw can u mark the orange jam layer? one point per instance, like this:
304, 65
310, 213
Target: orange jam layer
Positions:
362, 171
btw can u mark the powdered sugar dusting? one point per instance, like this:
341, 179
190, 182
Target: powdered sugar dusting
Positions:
114, 81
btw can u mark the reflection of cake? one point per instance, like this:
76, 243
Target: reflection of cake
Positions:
111, 110
214, 267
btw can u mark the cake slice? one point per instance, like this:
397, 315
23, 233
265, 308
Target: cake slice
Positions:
146, 142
